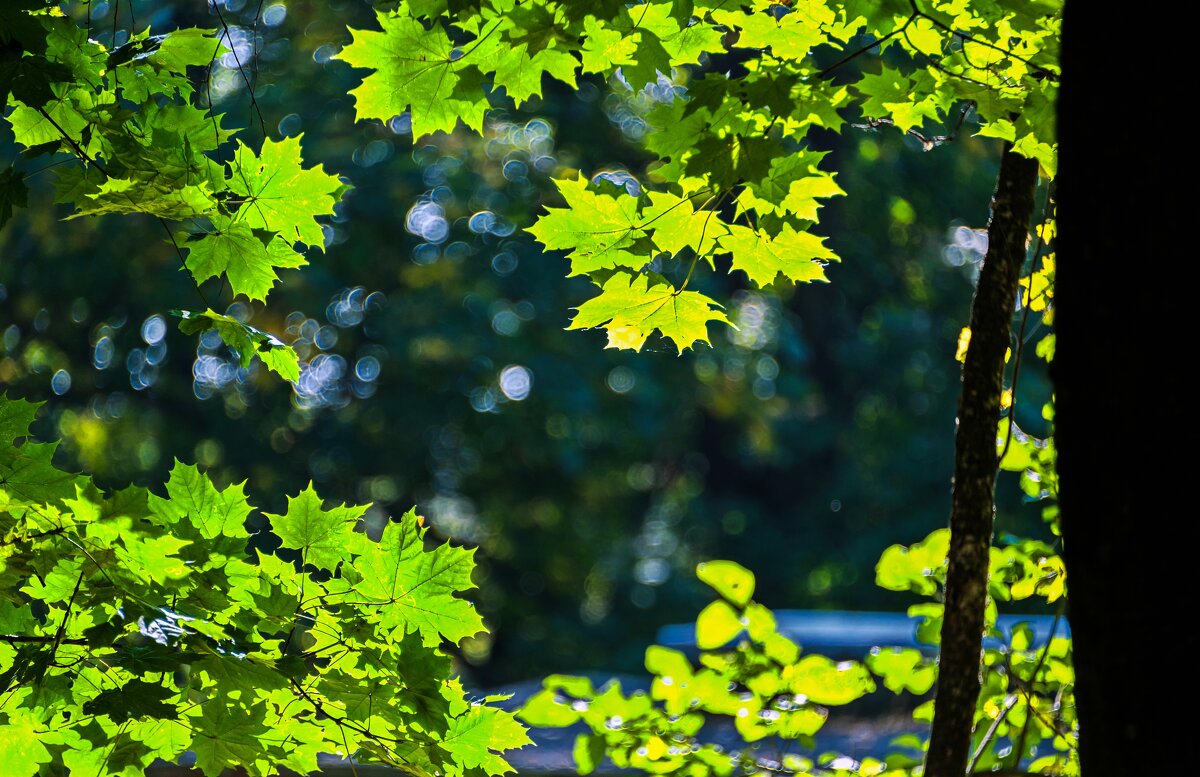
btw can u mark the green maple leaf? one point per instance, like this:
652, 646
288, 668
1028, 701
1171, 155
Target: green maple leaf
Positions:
792, 185
134, 699
678, 225
225, 674
546, 710
728, 159
246, 257
416, 588
184, 48
30, 128
658, 39
130, 195
772, 90
913, 113
687, 44
762, 257
305, 741
21, 742
414, 68
887, 86
57, 585
15, 417
322, 535
166, 739
476, 738
925, 37
68, 46
909, 100
592, 227
228, 737
193, 498
157, 64
605, 48
362, 699
520, 73
248, 341
675, 127
15, 620
28, 478
121, 756
650, 59
716, 625
631, 309
789, 37
423, 673
609, 260
154, 558
282, 196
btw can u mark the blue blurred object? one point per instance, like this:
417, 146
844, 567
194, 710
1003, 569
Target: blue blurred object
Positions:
843, 634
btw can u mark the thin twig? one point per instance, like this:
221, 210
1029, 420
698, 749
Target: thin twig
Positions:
1020, 746
62, 627
241, 71
859, 52
337, 719
254, 48
183, 261
1009, 703
71, 141
936, 65
1037, 255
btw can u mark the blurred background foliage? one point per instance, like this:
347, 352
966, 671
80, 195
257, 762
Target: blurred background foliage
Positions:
437, 371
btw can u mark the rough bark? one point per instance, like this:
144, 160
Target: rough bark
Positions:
1126, 320
975, 466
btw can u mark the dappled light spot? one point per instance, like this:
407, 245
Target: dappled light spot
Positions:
60, 383
516, 382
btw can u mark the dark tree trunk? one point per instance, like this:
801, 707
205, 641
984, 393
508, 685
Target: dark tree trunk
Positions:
1126, 319
975, 465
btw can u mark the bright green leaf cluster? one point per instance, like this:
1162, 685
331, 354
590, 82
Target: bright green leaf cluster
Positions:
143, 142
756, 681
247, 341
760, 684
136, 626
732, 175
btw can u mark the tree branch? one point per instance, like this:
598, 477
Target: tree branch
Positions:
975, 467
859, 52
79, 152
928, 142
262, 123
1009, 703
15, 639
38, 536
